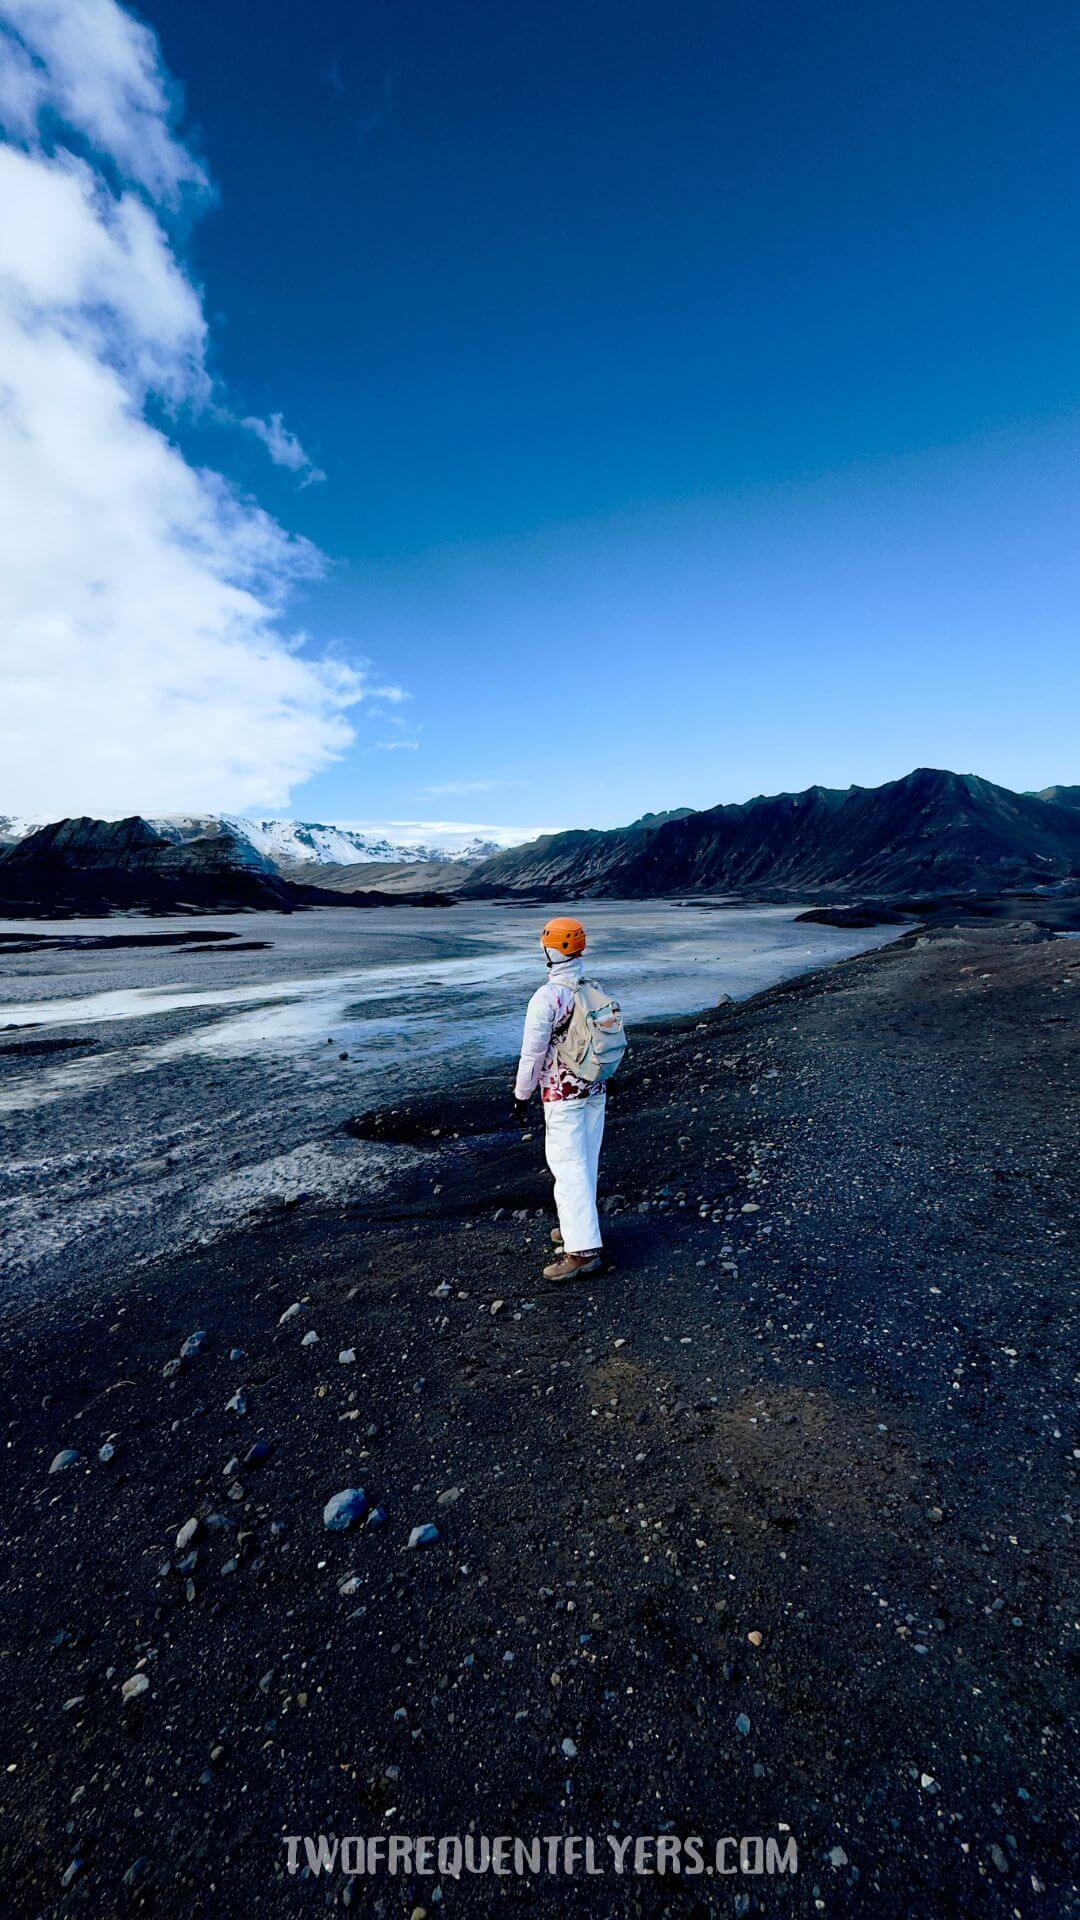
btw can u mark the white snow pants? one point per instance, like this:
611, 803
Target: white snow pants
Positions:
573, 1130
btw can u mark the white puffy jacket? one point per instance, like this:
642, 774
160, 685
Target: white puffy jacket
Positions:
547, 1012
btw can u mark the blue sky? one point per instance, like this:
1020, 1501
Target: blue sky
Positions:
696, 388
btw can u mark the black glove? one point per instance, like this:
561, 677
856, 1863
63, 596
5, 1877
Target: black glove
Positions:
521, 1111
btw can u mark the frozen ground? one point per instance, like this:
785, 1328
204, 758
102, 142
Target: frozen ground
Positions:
150, 1097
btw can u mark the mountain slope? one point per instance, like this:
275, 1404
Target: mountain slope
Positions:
85, 866
389, 876
290, 843
1061, 796
933, 832
14, 827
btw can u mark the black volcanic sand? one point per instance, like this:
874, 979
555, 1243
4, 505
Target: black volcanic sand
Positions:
851, 1439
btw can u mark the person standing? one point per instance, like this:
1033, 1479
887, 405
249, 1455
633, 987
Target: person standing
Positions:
573, 1103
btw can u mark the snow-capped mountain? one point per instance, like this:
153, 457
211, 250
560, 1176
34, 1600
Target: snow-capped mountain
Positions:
14, 827
288, 841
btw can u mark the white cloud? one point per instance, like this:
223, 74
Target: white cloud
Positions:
99, 70
403, 731
283, 447
145, 667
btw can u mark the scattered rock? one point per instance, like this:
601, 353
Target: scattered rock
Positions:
139, 1683
424, 1536
67, 1457
344, 1509
193, 1344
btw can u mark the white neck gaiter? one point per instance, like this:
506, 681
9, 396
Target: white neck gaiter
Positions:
564, 970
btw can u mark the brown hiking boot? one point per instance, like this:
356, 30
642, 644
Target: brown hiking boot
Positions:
556, 1237
573, 1266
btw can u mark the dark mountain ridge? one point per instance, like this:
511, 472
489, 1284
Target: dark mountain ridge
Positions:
85, 866
930, 834
1061, 796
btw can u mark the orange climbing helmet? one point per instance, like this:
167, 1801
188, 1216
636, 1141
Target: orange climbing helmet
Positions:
565, 936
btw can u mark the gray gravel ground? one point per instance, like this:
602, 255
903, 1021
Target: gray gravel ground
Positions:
768, 1528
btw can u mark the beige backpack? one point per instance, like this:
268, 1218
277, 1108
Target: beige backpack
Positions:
593, 1042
